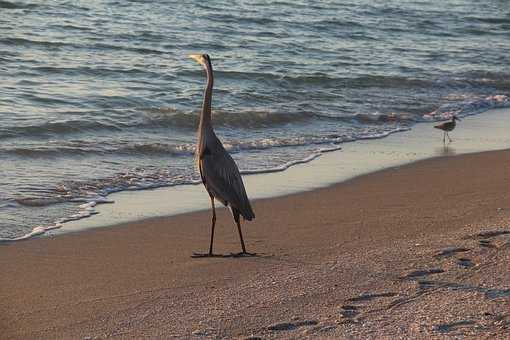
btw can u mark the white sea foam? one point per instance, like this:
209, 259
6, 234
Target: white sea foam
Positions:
468, 107
85, 210
39, 230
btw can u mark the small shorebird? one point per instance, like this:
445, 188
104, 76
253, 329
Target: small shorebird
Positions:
447, 127
218, 170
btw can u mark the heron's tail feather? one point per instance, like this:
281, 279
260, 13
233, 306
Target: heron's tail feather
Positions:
250, 215
247, 215
246, 211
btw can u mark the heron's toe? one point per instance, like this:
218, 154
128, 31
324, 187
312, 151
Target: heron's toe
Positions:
243, 254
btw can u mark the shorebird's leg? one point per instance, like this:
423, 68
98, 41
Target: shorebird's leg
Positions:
213, 224
444, 137
448, 136
238, 222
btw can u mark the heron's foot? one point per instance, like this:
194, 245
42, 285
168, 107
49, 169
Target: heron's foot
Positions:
243, 254
201, 255
206, 255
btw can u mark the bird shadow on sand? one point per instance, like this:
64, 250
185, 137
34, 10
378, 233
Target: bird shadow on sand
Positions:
229, 255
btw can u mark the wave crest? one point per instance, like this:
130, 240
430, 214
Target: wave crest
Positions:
467, 107
169, 117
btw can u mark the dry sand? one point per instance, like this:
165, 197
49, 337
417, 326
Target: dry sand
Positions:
419, 251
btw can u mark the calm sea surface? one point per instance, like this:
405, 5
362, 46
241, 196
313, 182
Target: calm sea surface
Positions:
99, 96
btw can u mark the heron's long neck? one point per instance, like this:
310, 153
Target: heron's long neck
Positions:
205, 117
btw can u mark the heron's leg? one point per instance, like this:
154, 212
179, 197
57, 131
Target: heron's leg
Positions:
238, 222
213, 224
235, 213
448, 136
444, 137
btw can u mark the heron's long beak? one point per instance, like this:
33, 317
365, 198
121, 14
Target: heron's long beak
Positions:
198, 58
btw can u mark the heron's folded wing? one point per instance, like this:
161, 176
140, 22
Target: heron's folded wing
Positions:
222, 176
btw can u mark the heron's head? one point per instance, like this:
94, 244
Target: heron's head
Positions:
202, 59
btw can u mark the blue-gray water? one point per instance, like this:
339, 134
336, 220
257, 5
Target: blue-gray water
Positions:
99, 96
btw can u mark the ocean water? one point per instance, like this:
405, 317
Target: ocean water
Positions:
99, 96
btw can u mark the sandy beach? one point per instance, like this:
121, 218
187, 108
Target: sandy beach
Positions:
416, 251
372, 139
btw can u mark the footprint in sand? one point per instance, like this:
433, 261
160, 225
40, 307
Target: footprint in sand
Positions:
485, 238
369, 296
350, 312
497, 293
492, 233
450, 252
423, 272
465, 262
447, 327
289, 326
486, 244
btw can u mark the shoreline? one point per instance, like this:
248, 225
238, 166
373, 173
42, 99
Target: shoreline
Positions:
476, 133
362, 252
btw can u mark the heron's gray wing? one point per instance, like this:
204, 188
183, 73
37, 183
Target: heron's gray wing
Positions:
221, 176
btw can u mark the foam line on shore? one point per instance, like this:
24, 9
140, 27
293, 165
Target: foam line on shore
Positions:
336, 164
329, 165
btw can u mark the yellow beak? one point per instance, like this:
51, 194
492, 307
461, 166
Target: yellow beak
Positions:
198, 58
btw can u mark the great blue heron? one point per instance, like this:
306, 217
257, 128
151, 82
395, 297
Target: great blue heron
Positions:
218, 170
447, 127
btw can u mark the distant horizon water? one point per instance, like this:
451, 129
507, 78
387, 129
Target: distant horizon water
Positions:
99, 96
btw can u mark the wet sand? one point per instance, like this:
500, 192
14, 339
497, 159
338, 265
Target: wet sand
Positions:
420, 251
